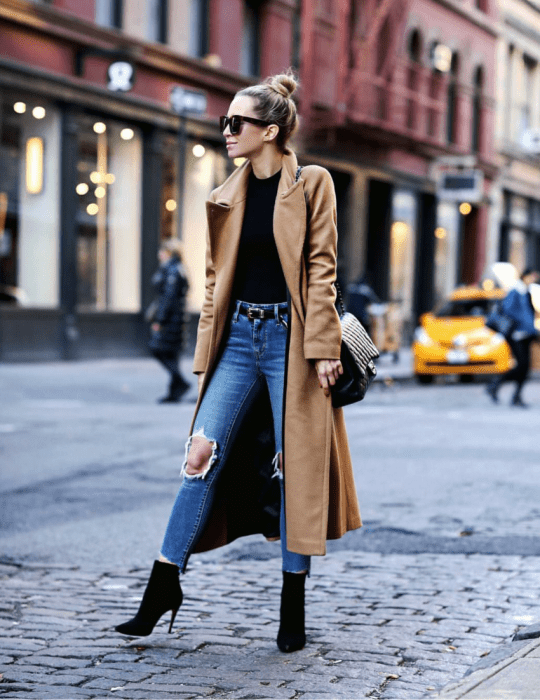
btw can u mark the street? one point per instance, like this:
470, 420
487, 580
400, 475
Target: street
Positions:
446, 567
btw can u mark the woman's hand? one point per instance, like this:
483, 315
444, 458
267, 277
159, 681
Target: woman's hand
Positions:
328, 371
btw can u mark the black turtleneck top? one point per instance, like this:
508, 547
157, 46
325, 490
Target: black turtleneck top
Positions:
259, 277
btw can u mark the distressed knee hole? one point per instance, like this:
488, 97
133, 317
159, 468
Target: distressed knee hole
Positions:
278, 465
200, 455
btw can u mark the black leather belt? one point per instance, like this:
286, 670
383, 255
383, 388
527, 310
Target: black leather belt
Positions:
253, 312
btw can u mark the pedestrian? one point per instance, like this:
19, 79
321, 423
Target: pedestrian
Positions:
267, 354
518, 306
168, 316
360, 296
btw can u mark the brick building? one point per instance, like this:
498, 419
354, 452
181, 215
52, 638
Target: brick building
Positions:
91, 172
515, 236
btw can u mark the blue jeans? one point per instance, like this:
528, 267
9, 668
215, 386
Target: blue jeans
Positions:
254, 353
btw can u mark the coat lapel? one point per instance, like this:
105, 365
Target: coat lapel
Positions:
290, 218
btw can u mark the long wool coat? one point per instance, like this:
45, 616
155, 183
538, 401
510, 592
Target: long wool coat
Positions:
320, 495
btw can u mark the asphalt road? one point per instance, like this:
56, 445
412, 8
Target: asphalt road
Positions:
90, 464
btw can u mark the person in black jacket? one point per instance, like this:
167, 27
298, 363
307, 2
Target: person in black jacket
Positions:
168, 321
518, 306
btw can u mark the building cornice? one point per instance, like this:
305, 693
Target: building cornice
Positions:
480, 19
522, 28
77, 92
82, 34
533, 5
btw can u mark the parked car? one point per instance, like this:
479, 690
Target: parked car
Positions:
453, 339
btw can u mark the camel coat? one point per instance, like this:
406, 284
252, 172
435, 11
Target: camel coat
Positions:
320, 495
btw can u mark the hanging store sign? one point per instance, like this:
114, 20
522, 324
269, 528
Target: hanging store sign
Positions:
461, 185
121, 76
185, 101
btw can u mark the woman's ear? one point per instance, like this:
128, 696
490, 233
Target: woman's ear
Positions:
271, 132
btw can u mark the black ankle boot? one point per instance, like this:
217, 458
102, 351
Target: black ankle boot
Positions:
162, 593
292, 632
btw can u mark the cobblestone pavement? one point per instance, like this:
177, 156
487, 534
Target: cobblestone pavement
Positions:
380, 626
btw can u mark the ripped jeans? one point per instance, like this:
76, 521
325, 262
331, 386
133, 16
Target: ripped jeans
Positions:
254, 353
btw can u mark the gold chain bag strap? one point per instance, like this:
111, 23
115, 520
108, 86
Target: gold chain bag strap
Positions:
357, 355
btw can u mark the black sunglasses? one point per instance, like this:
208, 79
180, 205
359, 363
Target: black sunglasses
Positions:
235, 122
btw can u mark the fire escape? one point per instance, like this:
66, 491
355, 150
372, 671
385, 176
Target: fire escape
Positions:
360, 72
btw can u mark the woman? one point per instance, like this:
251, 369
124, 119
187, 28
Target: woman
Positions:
269, 336
519, 307
168, 320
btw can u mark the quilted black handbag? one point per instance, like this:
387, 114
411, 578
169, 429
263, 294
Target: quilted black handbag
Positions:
357, 357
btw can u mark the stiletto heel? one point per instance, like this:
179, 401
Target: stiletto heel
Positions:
162, 593
173, 615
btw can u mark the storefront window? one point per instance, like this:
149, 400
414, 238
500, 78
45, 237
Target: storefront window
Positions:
29, 200
169, 190
206, 168
402, 241
108, 220
446, 239
517, 249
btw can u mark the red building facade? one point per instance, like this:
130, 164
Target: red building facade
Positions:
97, 167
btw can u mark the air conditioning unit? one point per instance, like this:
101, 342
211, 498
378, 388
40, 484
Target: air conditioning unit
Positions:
530, 141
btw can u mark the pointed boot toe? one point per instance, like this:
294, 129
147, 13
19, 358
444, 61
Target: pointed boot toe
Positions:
163, 593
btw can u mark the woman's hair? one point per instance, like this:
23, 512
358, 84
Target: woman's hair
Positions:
274, 103
173, 246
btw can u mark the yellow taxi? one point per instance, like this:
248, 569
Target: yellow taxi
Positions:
453, 339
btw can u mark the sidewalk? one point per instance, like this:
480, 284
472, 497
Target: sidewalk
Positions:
511, 671
390, 371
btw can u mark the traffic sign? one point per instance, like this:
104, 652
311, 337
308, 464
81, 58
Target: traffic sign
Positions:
185, 101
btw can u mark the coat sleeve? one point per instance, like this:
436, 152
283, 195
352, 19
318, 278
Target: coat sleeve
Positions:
206, 319
322, 333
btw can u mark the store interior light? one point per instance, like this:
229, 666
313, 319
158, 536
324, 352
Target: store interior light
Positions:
100, 128
95, 177
170, 205
127, 134
465, 208
110, 178
39, 112
34, 165
19, 107
82, 188
440, 233
199, 150
239, 161
92, 209
100, 192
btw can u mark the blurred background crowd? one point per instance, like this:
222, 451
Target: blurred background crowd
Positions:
426, 113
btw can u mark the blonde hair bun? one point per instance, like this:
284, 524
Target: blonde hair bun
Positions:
285, 84
273, 103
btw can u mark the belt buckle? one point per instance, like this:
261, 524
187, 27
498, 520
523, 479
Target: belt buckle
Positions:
253, 313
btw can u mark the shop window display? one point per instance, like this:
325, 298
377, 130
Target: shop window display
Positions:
446, 249
402, 242
29, 201
206, 168
108, 187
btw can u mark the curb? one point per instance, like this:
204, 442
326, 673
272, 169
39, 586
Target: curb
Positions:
459, 689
